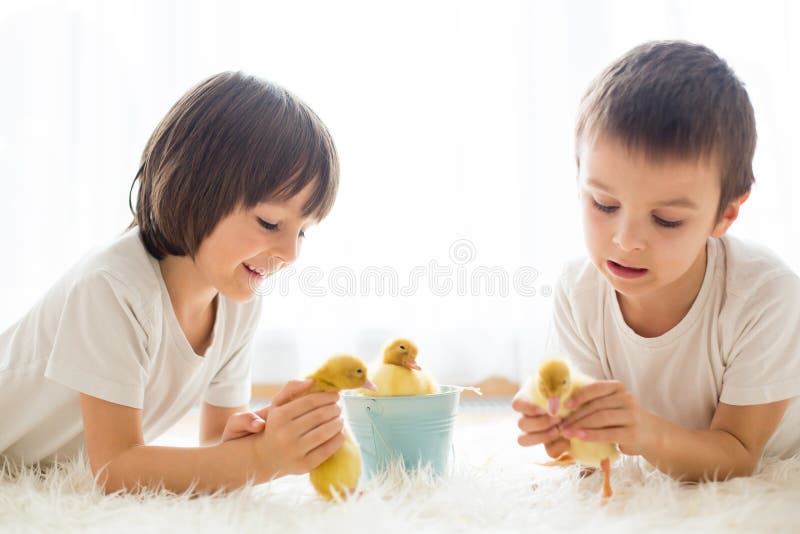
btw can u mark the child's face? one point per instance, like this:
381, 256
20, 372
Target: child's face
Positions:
645, 222
247, 246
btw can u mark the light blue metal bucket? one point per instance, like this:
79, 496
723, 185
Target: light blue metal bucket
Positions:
419, 429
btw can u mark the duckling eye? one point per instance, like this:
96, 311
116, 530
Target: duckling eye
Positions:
564, 383
402, 347
359, 371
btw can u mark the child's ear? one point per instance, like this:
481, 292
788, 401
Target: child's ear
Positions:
728, 216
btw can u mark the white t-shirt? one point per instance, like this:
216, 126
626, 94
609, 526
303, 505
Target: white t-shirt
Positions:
738, 344
108, 329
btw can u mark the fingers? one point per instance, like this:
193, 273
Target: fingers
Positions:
294, 409
311, 420
292, 389
538, 423
242, 424
289, 442
604, 435
593, 391
263, 412
306, 404
324, 451
253, 422
537, 429
525, 407
321, 434
603, 403
598, 420
535, 438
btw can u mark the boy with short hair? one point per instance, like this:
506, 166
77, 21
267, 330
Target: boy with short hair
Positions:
694, 335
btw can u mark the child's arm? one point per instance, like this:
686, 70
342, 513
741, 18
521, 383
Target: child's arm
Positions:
731, 446
303, 433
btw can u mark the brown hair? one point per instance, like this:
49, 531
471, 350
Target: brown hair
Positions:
232, 140
675, 99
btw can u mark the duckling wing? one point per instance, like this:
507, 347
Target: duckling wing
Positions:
429, 385
340, 472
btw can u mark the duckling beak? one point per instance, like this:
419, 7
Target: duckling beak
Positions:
412, 364
553, 404
370, 385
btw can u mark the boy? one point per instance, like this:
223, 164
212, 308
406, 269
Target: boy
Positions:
693, 334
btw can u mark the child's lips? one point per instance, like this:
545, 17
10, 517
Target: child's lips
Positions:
272, 267
624, 271
260, 275
627, 266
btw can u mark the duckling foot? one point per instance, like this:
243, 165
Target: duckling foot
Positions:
605, 465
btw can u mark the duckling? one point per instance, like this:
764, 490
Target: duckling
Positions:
340, 472
398, 374
550, 388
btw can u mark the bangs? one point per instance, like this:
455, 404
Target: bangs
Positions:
656, 139
302, 155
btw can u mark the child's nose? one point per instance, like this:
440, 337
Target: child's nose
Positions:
288, 249
628, 236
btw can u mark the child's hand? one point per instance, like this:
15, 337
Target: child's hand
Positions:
539, 427
606, 411
243, 424
302, 433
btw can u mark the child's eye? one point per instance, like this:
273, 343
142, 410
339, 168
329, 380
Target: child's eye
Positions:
268, 225
665, 223
603, 207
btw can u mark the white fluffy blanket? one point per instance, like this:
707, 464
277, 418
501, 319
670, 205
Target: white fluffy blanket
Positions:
496, 487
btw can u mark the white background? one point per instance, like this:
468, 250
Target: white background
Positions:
453, 121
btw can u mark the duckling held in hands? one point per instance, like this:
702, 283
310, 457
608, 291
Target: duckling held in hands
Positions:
340, 472
399, 374
550, 388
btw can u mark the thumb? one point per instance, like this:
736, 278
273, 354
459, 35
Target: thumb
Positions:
262, 412
292, 389
256, 422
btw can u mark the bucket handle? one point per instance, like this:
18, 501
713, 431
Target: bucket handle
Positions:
371, 411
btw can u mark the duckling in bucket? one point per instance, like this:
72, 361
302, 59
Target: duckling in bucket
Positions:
399, 374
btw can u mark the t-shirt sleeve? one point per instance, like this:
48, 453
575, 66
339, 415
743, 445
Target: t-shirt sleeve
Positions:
231, 385
566, 337
764, 363
100, 345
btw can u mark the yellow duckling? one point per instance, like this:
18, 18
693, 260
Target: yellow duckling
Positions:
549, 389
341, 471
399, 374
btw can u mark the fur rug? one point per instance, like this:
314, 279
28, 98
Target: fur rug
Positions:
496, 486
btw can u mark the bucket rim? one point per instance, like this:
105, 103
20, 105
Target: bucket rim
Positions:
452, 390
